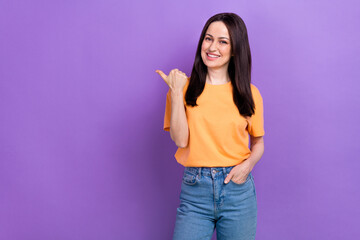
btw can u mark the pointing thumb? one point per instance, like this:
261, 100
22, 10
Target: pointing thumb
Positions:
163, 75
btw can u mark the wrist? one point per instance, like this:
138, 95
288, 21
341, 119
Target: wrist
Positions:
249, 163
176, 91
177, 96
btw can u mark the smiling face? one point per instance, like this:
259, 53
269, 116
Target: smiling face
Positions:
216, 46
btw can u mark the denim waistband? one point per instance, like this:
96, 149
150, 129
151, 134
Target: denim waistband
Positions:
207, 171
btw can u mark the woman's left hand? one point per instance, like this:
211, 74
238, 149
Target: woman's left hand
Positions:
239, 173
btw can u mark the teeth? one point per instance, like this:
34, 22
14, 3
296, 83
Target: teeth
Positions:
212, 55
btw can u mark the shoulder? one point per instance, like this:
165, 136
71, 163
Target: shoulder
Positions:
254, 88
187, 82
255, 91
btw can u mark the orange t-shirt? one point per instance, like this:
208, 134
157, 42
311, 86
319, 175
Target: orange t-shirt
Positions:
218, 134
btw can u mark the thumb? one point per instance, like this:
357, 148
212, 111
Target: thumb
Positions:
228, 177
163, 75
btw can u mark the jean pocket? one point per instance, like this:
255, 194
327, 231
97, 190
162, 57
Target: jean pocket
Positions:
246, 181
189, 178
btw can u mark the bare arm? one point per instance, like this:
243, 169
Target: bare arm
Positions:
257, 150
179, 129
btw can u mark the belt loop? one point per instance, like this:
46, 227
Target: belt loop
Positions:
199, 174
224, 171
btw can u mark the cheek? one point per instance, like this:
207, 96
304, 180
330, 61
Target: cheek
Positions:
205, 45
227, 50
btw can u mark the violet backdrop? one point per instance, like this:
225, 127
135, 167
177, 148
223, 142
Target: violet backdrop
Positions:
82, 150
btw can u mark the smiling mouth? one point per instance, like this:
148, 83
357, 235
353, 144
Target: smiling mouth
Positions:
212, 55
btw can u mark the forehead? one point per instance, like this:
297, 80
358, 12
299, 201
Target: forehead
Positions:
218, 29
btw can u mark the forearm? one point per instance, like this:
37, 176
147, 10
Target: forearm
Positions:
257, 150
179, 130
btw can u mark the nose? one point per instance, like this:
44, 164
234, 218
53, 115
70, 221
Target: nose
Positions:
212, 47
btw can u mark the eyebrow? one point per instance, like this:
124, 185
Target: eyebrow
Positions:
219, 37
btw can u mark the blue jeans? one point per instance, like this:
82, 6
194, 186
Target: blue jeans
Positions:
206, 203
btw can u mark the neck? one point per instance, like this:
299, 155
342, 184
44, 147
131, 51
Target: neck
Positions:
217, 76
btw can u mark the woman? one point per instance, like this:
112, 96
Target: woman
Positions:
210, 116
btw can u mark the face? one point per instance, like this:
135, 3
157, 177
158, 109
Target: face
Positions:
216, 46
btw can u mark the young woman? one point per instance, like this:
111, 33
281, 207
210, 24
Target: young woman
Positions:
210, 116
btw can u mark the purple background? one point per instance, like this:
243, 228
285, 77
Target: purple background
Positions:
82, 150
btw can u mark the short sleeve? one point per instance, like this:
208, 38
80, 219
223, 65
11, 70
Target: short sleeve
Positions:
167, 112
256, 121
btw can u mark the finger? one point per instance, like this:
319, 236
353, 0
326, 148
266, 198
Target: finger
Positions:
163, 75
228, 178
183, 73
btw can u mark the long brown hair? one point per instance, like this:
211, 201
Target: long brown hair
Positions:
239, 68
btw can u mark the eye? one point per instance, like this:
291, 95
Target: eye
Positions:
207, 38
223, 42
